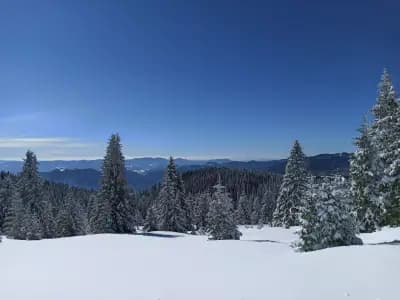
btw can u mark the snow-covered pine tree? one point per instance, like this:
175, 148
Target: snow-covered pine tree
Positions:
14, 226
6, 193
385, 133
292, 189
200, 210
364, 185
170, 214
221, 224
256, 211
28, 212
243, 213
150, 222
100, 221
71, 220
114, 210
189, 207
268, 200
184, 204
327, 217
310, 235
91, 212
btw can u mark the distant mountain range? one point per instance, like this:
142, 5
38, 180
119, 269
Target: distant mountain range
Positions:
138, 165
145, 172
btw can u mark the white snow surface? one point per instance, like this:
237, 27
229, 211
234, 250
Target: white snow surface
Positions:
261, 266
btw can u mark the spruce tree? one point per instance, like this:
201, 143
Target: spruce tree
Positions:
385, 132
28, 212
200, 211
114, 209
221, 224
327, 217
243, 214
150, 223
292, 190
170, 213
71, 219
364, 185
6, 194
310, 236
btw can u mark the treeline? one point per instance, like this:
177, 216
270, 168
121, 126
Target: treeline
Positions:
253, 196
32, 208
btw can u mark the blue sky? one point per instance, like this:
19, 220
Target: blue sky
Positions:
200, 79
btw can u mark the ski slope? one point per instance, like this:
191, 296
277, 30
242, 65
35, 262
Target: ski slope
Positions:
169, 266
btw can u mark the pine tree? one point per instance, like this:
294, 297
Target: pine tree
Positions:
6, 193
183, 203
28, 212
364, 187
114, 210
221, 223
292, 189
327, 218
170, 214
15, 219
256, 211
243, 214
385, 132
150, 223
200, 210
310, 235
71, 219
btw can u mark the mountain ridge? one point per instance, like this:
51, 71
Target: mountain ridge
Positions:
322, 164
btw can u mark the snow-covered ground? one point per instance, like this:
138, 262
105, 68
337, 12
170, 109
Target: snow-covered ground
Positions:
182, 267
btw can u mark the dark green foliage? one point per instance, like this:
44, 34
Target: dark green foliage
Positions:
171, 212
114, 210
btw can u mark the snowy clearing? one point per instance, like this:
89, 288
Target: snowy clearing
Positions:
169, 266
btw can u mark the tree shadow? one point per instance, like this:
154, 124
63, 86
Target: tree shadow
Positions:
394, 243
159, 235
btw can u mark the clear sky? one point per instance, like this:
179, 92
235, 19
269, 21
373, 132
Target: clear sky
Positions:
199, 79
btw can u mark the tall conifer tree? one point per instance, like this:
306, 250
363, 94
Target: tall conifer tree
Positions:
364, 185
292, 190
114, 211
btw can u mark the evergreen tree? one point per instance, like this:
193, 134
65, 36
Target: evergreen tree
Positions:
292, 190
243, 214
221, 223
28, 213
200, 210
364, 187
150, 223
6, 193
326, 216
100, 221
114, 210
256, 211
310, 235
15, 223
71, 219
385, 133
170, 214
